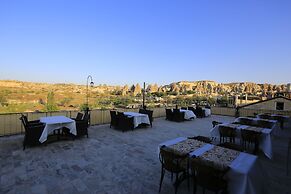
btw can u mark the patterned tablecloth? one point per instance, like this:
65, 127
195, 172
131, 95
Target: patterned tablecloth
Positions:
187, 146
219, 157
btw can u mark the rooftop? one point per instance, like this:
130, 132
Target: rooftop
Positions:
110, 161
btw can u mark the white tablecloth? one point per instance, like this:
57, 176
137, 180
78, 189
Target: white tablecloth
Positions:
265, 142
274, 122
207, 112
245, 175
56, 122
138, 118
188, 114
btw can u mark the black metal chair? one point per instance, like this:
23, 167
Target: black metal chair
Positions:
288, 154
114, 119
32, 122
79, 116
250, 138
169, 114
178, 116
82, 125
227, 134
33, 132
191, 108
208, 177
149, 113
199, 112
175, 164
124, 123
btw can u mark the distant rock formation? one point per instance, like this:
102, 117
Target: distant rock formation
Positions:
214, 88
205, 87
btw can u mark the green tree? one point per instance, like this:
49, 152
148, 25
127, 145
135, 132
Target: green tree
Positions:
83, 107
50, 104
3, 100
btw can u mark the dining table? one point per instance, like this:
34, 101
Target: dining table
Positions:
245, 174
189, 114
265, 143
56, 122
207, 112
138, 118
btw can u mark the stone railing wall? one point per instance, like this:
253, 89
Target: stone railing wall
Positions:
10, 123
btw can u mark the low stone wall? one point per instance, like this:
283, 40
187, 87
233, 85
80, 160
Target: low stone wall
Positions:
10, 123
223, 111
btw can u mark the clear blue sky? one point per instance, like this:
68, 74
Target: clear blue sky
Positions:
157, 41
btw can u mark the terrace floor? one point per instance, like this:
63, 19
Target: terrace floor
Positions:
111, 161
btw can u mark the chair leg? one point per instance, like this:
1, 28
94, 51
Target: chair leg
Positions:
161, 180
194, 186
176, 183
287, 167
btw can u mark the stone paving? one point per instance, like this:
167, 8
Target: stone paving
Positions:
114, 162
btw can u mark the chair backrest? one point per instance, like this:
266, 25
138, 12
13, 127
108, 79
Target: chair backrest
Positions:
150, 114
171, 161
176, 110
142, 111
113, 114
199, 112
24, 121
226, 131
191, 108
79, 116
124, 122
205, 173
86, 117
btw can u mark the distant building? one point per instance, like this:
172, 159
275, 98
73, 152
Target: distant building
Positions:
240, 100
277, 103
